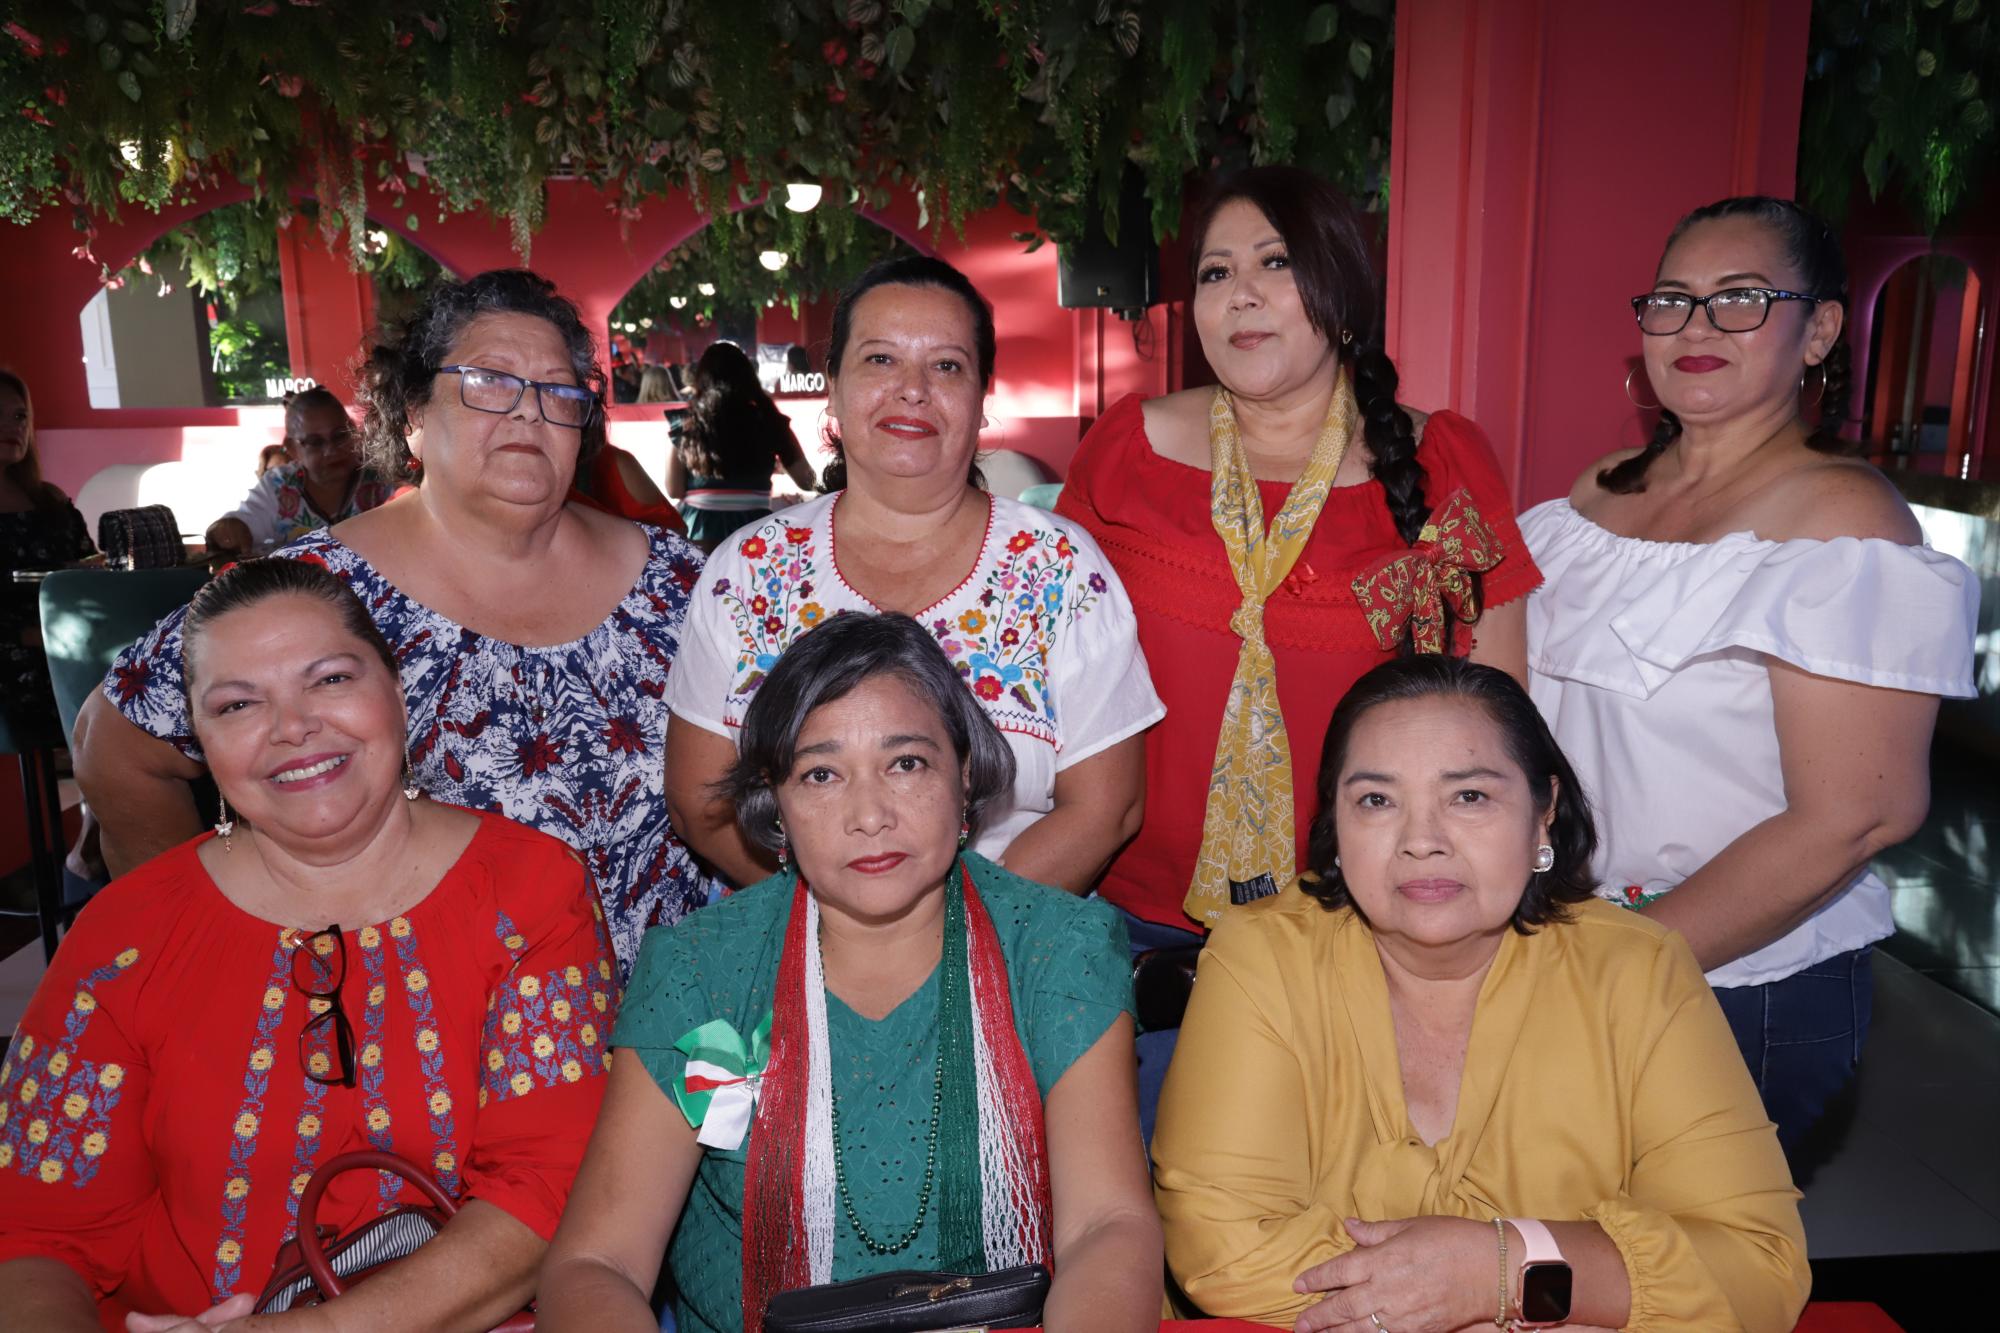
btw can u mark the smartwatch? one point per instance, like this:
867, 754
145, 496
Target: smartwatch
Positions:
1544, 1296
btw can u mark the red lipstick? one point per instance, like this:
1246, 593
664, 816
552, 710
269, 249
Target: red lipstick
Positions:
880, 864
1699, 365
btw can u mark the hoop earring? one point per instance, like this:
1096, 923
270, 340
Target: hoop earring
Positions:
225, 824
1346, 337
1632, 398
1820, 366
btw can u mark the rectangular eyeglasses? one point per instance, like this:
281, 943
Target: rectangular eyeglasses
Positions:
326, 1045
1733, 310
496, 391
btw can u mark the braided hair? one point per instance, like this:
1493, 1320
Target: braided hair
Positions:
1328, 243
1813, 249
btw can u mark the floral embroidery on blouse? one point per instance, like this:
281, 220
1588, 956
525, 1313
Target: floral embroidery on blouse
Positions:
376, 1120
430, 1055
55, 1113
1000, 646
544, 1033
249, 1120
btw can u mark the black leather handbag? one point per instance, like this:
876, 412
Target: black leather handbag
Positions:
913, 1302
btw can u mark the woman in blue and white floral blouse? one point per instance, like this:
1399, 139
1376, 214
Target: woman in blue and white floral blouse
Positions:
1023, 603
535, 637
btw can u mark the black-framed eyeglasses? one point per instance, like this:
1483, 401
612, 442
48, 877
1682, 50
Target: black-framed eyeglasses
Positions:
496, 391
1732, 310
326, 1044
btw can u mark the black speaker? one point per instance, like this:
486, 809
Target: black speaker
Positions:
1093, 272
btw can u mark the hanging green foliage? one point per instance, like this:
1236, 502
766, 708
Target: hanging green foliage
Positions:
1899, 94
1044, 102
824, 251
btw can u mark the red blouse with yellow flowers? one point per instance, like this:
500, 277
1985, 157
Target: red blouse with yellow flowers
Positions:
156, 1121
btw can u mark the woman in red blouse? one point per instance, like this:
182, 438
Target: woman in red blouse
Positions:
1388, 532
175, 1082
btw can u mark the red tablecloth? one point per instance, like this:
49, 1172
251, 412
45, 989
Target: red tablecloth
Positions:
1820, 1317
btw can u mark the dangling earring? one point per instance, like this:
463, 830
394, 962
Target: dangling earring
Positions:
1545, 859
411, 791
1632, 397
225, 824
784, 844
965, 828
1821, 368
1346, 337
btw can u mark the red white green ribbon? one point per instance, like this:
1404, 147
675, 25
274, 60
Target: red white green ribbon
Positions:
718, 1090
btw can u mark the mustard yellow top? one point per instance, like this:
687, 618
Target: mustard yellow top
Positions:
1601, 1083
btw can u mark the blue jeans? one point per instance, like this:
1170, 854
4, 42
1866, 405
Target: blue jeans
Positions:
1156, 1049
1801, 1037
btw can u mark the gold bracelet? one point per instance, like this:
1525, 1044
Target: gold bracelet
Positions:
1500, 1229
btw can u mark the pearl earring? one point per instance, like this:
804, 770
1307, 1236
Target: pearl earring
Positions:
1545, 858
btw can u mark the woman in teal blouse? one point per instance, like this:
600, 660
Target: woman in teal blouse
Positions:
891, 1055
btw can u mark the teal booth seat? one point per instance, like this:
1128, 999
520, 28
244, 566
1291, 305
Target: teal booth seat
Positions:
88, 616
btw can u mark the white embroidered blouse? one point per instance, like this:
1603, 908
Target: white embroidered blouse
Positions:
1041, 631
1649, 661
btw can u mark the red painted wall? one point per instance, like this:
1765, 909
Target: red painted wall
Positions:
582, 246
1536, 175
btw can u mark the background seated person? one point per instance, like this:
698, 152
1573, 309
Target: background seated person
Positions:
175, 1082
321, 483
1445, 1028
872, 964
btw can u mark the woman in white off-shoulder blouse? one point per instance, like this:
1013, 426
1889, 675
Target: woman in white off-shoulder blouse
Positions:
1741, 644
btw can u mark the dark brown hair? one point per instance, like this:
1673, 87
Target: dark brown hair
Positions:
250, 582
27, 473
1327, 243
732, 425
828, 664
1812, 248
403, 362
1550, 892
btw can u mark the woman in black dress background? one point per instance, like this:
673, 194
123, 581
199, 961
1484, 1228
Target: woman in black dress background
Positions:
39, 529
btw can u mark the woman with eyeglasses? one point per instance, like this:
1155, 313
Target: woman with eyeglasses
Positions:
343, 965
318, 481
534, 632
1741, 643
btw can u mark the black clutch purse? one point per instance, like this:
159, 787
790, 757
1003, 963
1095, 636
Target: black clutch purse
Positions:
913, 1302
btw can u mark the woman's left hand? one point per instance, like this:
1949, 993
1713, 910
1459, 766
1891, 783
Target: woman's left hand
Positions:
214, 1317
1412, 1275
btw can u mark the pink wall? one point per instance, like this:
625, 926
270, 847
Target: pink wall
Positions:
1536, 176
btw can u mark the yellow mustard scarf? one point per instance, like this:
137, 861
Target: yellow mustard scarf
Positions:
1248, 839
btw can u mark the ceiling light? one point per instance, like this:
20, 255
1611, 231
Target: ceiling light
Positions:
802, 197
705, 288
677, 302
773, 259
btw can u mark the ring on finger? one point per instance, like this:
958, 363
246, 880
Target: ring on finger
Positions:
1376, 1319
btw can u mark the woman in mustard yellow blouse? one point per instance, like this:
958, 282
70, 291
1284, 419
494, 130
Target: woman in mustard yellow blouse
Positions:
1440, 1082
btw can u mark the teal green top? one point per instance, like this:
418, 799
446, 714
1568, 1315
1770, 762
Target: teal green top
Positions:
1070, 975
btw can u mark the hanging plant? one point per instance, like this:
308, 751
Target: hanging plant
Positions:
824, 250
143, 101
1899, 94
